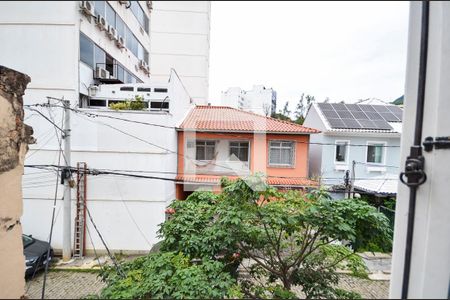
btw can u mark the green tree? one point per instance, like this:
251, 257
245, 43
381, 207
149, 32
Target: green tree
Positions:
302, 107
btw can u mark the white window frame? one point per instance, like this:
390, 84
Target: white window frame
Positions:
347, 152
383, 160
241, 141
204, 140
294, 144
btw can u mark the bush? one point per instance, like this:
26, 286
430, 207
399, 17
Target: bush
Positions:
169, 275
136, 104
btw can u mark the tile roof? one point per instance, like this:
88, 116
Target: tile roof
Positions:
224, 118
275, 181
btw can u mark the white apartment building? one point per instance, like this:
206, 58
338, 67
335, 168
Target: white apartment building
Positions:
93, 53
259, 99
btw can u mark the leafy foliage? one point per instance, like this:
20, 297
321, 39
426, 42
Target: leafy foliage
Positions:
169, 275
136, 104
284, 241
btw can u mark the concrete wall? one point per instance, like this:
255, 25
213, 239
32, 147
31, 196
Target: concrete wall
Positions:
430, 262
179, 39
14, 139
257, 100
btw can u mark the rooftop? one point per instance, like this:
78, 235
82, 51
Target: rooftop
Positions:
228, 119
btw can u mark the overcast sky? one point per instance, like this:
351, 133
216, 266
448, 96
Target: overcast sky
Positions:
341, 50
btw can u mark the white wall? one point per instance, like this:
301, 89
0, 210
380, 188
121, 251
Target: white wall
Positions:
430, 264
180, 40
257, 100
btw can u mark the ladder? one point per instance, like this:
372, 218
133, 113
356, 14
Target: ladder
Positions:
80, 218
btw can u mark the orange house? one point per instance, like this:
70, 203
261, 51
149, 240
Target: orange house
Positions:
217, 141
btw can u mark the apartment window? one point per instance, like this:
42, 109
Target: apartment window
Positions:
140, 15
159, 105
110, 16
341, 151
120, 26
132, 42
281, 153
127, 88
99, 57
99, 8
240, 150
140, 89
375, 153
160, 90
204, 150
86, 51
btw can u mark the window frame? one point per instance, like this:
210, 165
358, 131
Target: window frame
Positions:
293, 147
347, 152
205, 141
239, 147
384, 151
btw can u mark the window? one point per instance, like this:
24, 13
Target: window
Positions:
281, 153
140, 15
141, 89
159, 105
239, 150
99, 57
110, 16
99, 8
205, 150
97, 102
160, 90
120, 26
341, 151
86, 50
375, 153
127, 88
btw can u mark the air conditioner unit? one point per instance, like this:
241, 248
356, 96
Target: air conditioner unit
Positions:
101, 73
124, 2
112, 77
120, 42
143, 65
101, 23
112, 33
150, 5
87, 8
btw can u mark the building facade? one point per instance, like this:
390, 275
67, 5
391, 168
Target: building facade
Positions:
94, 53
259, 99
217, 141
351, 140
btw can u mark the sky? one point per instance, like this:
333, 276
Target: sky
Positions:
340, 50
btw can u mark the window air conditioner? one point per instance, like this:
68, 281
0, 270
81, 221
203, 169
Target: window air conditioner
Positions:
87, 8
101, 73
101, 23
120, 42
124, 2
144, 66
150, 5
112, 33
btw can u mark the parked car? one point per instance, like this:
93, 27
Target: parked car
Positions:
35, 252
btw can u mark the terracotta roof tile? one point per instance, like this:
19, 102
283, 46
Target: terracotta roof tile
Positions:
276, 181
223, 118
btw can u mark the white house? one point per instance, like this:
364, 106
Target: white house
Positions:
93, 53
259, 99
363, 139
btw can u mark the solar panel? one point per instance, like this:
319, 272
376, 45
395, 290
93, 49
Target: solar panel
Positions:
367, 108
326, 106
351, 123
330, 114
380, 108
389, 117
360, 115
339, 106
382, 124
353, 107
367, 124
345, 114
374, 116
336, 123
395, 109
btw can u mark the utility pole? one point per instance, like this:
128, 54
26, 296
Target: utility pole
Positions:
67, 217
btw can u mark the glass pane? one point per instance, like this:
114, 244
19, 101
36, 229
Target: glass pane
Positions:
243, 154
234, 144
340, 152
211, 143
99, 8
274, 156
99, 57
200, 143
120, 26
286, 156
234, 153
86, 50
200, 153
275, 144
110, 16
209, 153
375, 154
120, 73
140, 51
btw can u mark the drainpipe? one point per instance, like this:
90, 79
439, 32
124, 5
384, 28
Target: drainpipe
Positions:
414, 165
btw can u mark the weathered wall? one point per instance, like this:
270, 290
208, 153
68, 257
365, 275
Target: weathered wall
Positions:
14, 139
